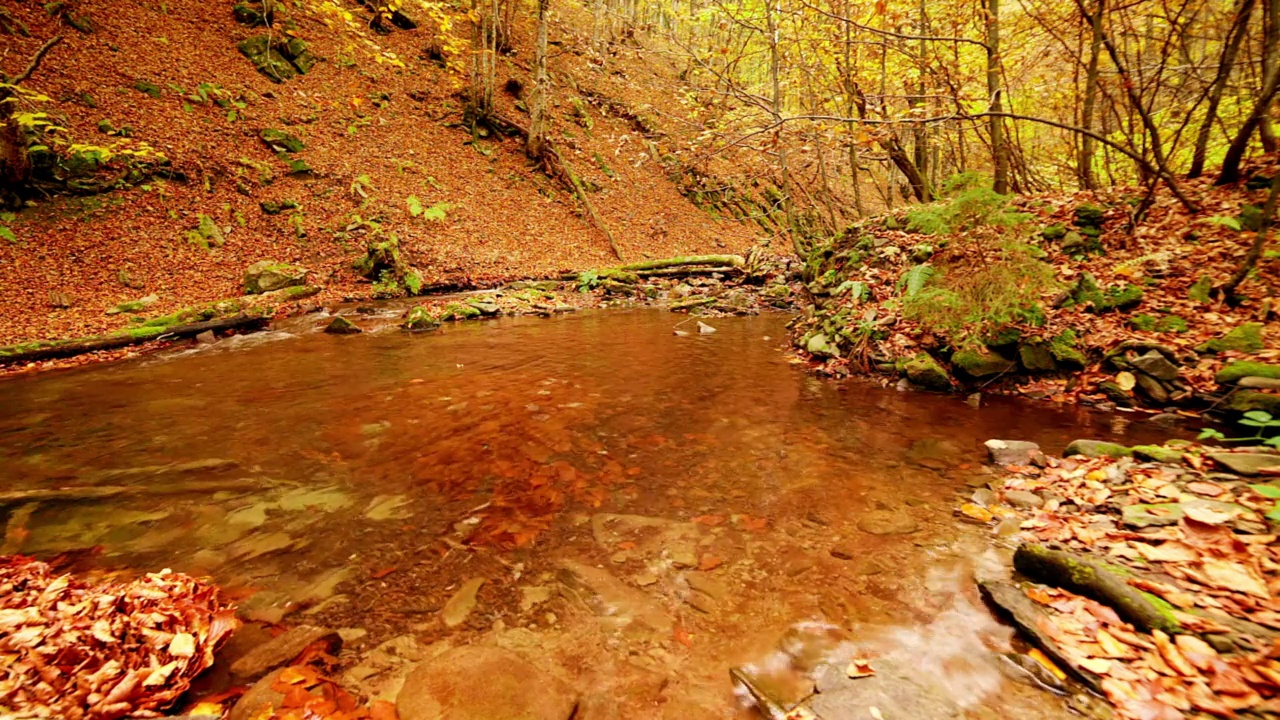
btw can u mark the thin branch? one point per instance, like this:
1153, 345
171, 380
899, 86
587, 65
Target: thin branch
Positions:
35, 61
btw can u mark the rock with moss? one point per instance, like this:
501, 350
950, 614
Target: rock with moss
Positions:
1200, 290
1171, 323
275, 207
487, 306
1054, 232
267, 59
926, 372
1144, 323
280, 140
978, 361
342, 326
134, 306
1243, 338
819, 345
454, 312
1157, 453
1116, 394
1089, 216
1096, 449
1125, 297
1065, 348
1036, 357
1235, 371
268, 275
1243, 401
380, 256
147, 88
207, 233
420, 319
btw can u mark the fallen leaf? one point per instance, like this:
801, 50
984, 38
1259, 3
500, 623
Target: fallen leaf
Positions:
1097, 666
1205, 488
1171, 655
1126, 380
1229, 575
1167, 552
1048, 664
379, 574
859, 668
977, 512
1111, 647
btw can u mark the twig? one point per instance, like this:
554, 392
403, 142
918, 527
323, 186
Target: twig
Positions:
35, 61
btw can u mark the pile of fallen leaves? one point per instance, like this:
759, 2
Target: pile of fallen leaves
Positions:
72, 649
308, 694
1193, 538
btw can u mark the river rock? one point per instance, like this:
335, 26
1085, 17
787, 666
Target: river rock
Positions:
897, 690
459, 607
280, 650
613, 600
1157, 453
1247, 463
887, 522
1023, 499
1156, 365
483, 683
1096, 448
1152, 388
268, 275
342, 326
1013, 452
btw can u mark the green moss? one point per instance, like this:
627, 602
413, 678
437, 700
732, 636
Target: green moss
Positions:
209, 231
1088, 215
298, 291
1233, 371
1096, 448
275, 207
1171, 323
420, 319
458, 311
1065, 349
1145, 323
1200, 290
1156, 453
1244, 338
1249, 400
147, 88
980, 362
925, 371
1037, 357
1054, 232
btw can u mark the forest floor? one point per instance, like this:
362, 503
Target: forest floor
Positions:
384, 147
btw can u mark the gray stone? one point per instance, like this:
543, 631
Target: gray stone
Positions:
1245, 463
898, 690
1160, 514
1152, 388
1156, 365
459, 607
1012, 452
1096, 448
1023, 499
1259, 383
268, 275
887, 522
705, 329
819, 345
483, 683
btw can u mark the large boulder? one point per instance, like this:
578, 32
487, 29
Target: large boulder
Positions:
483, 683
268, 275
979, 362
1156, 365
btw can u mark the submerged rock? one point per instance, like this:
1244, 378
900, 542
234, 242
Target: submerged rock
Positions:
483, 683
610, 598
419, 319
342, 326
887, 522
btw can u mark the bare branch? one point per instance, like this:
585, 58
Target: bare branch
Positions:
35, 61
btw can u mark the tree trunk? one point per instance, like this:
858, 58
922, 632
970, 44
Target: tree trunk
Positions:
538, 100
1270, 58
999, 156
1226, 62
920, 133
1235, 153
15, 165
774, 61
1089, 178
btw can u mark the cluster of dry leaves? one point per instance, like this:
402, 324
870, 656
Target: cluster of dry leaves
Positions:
1219, 564
71, 649
310, 695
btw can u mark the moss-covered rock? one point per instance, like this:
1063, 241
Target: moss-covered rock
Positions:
148, 88
978, 361
1096, 448
1249, 400
923, 370
134, 306
1171, 323
269, 275
380, 256
820, 346
1116, 394
280, 140
267, 59
342, 326
275, 207
1065, 348
1036, 357
1087, 293
1244, 338
454, 312
1125, 297
1088, 215
1233, 371
1054, 232
1157, 453
1199, 291
419, 319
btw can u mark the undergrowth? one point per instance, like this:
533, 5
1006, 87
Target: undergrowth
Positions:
970, 205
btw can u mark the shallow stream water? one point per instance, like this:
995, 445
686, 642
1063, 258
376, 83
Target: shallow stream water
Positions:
645, 510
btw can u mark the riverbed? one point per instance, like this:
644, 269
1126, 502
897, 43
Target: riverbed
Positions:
633, 510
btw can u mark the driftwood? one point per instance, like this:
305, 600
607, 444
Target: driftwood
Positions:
52, 349
1104, 583
1027, 616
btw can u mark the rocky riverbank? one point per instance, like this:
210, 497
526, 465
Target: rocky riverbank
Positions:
1146, 575
1056, 297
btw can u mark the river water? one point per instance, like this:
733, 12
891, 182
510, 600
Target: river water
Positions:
645, 510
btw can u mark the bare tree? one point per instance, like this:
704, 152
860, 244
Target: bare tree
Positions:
538, 97
999, 153
1239, 26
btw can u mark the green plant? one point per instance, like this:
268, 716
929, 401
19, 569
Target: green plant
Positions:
1270, 492
1002, 287
969, 209
1261, 420
5, 231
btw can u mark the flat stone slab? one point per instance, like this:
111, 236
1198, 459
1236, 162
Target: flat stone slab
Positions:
459, 607
1012, 452
887, 522
483, 683
611, 598
280, 650
1248, 463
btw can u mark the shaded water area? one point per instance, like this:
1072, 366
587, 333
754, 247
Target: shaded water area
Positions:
644, 510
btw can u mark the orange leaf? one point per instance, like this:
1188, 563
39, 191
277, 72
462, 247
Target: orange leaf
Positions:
383, 710
379, 574
710, 562
709, 520
682, 636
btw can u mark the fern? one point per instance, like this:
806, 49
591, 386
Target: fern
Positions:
913, 280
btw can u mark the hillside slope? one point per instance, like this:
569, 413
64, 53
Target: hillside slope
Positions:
375, 135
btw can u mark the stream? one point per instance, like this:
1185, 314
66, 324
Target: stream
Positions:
634, 511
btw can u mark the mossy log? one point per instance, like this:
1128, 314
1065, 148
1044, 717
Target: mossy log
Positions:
690, 271
1104, 583
685, 261
54, 349
1027, 616
148, 489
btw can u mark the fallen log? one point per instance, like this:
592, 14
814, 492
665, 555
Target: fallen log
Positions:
104, 492
1027, 616
54, 349
690, 271
682, 261
1104, 583
689, 303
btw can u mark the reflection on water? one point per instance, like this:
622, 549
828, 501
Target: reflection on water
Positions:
359, 481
